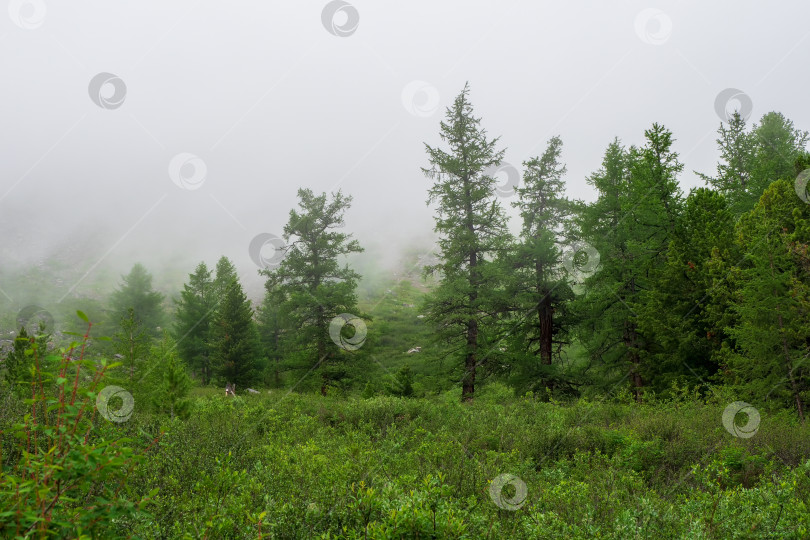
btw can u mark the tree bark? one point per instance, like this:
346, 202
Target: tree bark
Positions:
631, 342
545, 317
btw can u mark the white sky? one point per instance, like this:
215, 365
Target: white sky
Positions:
271, 101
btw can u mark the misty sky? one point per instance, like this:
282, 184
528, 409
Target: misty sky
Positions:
270, 100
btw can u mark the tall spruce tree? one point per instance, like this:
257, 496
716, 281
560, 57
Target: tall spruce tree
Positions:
471, 224
234, 340
313, 284
195, 309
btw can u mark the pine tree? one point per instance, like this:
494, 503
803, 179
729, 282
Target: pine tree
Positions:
473, 235
310, 287
136, 294
195, 309
234, 340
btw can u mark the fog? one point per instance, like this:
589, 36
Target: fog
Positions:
274, 96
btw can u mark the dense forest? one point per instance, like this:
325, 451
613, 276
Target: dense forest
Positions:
631, 366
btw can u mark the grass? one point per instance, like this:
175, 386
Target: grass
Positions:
287, 465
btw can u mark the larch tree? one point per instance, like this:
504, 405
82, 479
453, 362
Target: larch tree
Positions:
131, 342
604, 314
313, 284
538, 285
733, 176
273, 330
631, 225
473, 236
654, 205
751, 160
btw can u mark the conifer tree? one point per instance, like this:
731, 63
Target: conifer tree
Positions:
136, 294
131, 342
224, 276
195, 309
173, 383
312, 285
633, 221
772, 302
685, 314
234, 340
538, 284
471, 224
